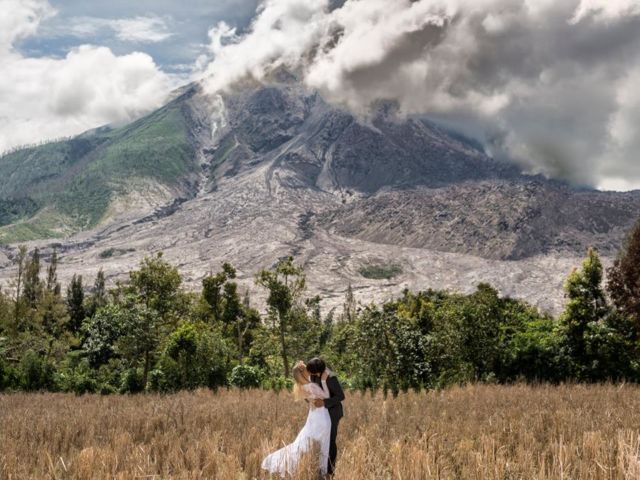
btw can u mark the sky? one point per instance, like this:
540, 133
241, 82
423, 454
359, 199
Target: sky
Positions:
550, 84
72, 65
173, 33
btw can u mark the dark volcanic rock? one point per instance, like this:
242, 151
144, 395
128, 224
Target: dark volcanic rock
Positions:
497, 219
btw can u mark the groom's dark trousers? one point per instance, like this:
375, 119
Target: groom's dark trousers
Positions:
334, 405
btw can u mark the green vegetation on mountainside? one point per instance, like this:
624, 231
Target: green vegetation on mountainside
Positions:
47, 223
67, 186
12, 210
380, 271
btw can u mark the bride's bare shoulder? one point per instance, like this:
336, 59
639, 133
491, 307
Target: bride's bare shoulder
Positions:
311, 388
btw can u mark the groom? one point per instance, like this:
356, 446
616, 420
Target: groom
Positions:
316, 366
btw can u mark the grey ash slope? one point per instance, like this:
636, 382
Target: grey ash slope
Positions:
410, 183
285, 173
498, 219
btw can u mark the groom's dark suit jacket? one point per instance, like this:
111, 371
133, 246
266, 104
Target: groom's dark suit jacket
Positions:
336, 396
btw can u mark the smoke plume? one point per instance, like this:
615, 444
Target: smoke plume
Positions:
551, 84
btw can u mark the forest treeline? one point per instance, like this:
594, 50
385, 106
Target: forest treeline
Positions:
151, 334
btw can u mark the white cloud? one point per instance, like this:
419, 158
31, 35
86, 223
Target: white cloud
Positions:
606, 9
283, 31
621, 158
141, 29
19, 19
548, 83
42, 98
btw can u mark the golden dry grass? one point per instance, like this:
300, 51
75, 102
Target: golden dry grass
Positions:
475, 432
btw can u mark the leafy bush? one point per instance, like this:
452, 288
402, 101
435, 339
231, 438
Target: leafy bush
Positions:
77, 376
3, 373
380, 271
115, 252
35, 372
531, 350
610, 350
245, 376
277, 383
132, 381
9, 378
156, 380
84, 383
14, 209
195, 356
101, 332
106, 389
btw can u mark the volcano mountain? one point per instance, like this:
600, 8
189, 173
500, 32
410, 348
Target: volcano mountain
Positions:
252, 176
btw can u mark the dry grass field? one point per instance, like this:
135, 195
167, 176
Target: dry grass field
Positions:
475, 432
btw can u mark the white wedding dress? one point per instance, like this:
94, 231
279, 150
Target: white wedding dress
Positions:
317, 429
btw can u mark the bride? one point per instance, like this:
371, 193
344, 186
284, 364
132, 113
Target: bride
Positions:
316, 429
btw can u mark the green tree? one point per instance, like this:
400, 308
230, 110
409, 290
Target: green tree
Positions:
328, 326
75, 303
448, 320
212, 289
221, 296
32, 284
349, 307
249, 323
530, 346
238, 317
98, 298
51, 314
142, 333
245, 376
339, 351
612, 349
195, 356
390, 351
586, 303
6, 314
285, 284
36, 372
155, 300
52, 284
157, 284
480, 324
102, 331
305, 329
21, 262
51, 309
624, 278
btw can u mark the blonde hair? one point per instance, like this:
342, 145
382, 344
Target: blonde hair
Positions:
299, 379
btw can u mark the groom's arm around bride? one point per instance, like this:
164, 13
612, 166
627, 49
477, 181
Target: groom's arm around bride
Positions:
337, 395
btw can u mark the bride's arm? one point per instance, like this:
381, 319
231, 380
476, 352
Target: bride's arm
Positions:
316, 392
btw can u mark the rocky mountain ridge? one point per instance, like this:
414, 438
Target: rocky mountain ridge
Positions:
270, 171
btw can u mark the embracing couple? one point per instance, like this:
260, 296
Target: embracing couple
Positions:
322, 391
